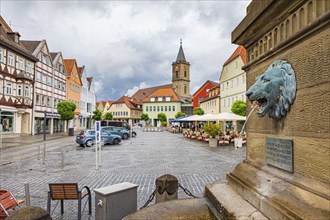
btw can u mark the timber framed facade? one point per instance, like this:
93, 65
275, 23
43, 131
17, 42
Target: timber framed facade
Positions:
17, 68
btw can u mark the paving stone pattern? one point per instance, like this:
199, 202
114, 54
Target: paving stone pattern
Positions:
139, 160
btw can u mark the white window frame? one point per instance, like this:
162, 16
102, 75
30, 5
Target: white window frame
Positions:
160, 98
19, 90
49, 80
11, 59
21, 64
152, 99
27, 92
9, 88
29, 67
38, 76
44, 78
1, 55
168, 99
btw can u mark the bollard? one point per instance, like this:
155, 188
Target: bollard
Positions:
167, 186
27, 194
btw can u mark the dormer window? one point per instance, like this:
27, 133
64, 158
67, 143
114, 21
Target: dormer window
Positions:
168, 98
160, 99
152, 99
14, 36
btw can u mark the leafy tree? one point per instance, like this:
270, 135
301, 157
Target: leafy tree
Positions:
108, 116
239, 108
145, 117
198, 111
97, 115
164, 123
180, 114
161, 117
66, 110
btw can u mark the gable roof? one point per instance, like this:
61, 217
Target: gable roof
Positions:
214, 84
240, 51
8, 42
69, 64
129, 101
53, 55
30, 45
142, 94
165, 92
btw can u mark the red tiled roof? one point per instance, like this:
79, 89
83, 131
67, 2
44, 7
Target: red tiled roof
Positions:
240, 51
142, 94
214, 84
129, 101
165, 92
69, 63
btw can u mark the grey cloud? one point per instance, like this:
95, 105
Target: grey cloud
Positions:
125, 43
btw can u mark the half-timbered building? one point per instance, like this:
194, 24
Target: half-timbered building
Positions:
17, 68
44, 92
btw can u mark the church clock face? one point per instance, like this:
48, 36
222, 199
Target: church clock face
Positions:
185, 68
176, 68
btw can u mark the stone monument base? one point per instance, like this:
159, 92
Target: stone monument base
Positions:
277, 197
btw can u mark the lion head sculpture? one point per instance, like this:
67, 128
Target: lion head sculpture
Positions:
274, 90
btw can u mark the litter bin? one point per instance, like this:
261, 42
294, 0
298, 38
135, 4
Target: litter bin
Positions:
71, 131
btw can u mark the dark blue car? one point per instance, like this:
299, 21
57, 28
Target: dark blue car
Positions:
87, 138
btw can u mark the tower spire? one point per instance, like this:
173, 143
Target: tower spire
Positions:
181, 56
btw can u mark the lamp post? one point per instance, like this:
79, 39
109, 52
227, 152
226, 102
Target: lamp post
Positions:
45, 119
0, 129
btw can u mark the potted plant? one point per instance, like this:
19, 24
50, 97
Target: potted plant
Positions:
213, 130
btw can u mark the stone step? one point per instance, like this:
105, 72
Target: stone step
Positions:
227, 204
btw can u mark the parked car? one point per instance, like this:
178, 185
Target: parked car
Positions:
87, 138
115, 123
125, 129
114, 130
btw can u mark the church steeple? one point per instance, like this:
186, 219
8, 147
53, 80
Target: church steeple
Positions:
181, 74
181, 56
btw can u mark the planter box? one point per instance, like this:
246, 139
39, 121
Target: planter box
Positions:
213, 142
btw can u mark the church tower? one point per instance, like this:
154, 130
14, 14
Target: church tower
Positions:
181, 75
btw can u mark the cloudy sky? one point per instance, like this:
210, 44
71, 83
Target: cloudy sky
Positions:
126, 45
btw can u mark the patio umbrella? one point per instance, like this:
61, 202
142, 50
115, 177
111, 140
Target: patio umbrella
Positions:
225, 116
190, 118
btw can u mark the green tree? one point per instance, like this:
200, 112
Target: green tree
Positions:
198, 111
108, 116
145, 117
161, 117
66, 110
97, 115
239, 108
180, 114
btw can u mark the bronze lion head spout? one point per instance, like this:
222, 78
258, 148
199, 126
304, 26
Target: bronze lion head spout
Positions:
274, 90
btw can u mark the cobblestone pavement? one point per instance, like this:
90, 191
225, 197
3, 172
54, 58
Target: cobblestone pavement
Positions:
139, 160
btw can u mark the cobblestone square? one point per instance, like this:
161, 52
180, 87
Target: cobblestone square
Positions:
138, 160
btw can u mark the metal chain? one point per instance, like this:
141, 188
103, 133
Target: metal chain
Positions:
187, 191
151, 197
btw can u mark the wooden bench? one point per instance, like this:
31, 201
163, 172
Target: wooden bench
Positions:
7, 203
68, 191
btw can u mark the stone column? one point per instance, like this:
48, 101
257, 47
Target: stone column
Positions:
167, 188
